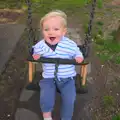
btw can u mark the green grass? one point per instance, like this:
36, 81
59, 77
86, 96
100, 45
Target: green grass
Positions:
108, 101
108, 51
65, 5
116, 117
43, 6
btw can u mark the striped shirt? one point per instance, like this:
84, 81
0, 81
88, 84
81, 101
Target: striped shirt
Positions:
66, 49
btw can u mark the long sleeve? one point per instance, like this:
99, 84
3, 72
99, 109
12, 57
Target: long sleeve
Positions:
38, 48
78, 52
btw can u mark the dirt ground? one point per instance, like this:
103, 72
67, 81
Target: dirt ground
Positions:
10, 16
14, 78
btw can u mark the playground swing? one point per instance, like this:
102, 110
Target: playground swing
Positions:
85, 48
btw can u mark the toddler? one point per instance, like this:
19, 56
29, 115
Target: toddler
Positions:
55, 45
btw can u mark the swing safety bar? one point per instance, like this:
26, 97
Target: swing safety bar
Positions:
57, 60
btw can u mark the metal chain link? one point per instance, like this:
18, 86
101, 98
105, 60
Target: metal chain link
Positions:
88, 34
31, 34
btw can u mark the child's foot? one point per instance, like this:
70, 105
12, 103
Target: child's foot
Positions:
48, 118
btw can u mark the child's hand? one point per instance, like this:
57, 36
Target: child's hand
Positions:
79, 59
36, 56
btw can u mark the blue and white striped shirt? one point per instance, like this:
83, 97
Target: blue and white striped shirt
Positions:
66, 49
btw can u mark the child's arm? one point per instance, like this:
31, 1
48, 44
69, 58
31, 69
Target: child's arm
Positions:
78, 55
37, 51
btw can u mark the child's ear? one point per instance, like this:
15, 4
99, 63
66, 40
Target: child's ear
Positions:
65, 31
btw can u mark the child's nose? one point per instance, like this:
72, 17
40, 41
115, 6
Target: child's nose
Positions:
50, 32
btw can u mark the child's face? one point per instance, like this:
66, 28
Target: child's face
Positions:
53, 30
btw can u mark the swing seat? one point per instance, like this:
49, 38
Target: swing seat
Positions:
80, 78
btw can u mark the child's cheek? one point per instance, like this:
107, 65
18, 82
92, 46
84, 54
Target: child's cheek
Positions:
57, 40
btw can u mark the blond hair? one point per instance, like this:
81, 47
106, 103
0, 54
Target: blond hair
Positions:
54, 13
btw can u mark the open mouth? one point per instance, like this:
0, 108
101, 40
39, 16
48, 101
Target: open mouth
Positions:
52, 38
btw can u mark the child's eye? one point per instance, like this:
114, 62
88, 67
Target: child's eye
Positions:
56, 29
46, 29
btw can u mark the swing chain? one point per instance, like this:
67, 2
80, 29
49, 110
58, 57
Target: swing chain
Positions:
31, 34
90, 24
85, 48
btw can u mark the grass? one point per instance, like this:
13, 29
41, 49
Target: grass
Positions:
116, 117
108, 101
43, 6
106, 48
108, 51
69, 6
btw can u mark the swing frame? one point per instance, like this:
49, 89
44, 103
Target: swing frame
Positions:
32, 70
